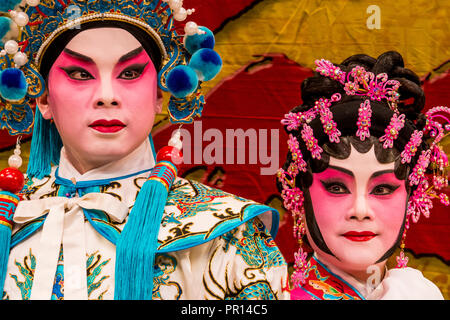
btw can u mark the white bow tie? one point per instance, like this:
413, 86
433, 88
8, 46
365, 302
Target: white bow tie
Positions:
65, 225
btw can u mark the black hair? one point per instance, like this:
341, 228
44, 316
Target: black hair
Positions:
58, 45
345, 114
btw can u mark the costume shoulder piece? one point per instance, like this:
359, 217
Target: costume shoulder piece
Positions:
196, 213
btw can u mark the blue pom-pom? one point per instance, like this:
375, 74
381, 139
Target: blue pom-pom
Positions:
181, 81
5, 26
13, 84
200, 41
6, 5
206, 63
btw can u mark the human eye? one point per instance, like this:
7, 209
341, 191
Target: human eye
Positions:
384, 189
78, 73
132, 72
335, 187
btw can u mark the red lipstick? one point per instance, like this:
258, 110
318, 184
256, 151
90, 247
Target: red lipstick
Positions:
107, 126
359, 236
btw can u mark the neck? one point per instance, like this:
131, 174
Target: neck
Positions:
142, 158
83, 165
363, 276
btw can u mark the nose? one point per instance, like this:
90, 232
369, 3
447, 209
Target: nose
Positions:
361, 209
106, 95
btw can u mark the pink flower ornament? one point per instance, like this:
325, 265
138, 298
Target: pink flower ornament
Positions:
297, 156
363, 123
419, 169
300, 268
293, 199
420, 202
391, 132
444, 199
311, 142
402, 260
361, 82
411, 147
327, 69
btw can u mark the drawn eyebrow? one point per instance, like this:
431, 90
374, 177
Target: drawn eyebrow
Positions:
78, 56
346, 171
379, 173
125, 57
131, 54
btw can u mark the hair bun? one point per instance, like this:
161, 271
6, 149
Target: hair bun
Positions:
412, 97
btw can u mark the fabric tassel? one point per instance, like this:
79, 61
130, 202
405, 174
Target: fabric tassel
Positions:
45, 147
137, 244
8, 205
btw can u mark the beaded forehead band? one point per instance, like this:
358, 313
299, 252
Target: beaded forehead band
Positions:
187, 60
376, 87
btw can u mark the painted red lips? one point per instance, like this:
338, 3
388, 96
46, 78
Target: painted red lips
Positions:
107, 126
359, 236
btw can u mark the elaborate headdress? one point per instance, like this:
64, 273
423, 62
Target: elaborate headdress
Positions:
380, 114
34, 32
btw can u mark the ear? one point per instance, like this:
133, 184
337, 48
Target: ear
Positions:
44, 108
159, 100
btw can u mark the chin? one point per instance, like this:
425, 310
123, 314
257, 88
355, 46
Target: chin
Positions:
104, 153
358, 260
351, 258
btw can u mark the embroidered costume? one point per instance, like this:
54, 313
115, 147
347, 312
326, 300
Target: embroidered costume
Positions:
329, 283
211, 244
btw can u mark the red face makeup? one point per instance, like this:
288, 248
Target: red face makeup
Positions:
102, 96
359, 206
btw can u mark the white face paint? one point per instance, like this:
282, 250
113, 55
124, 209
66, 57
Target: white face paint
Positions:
359, 206
102, 97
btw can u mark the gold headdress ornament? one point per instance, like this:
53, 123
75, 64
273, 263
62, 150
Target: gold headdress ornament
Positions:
186, 61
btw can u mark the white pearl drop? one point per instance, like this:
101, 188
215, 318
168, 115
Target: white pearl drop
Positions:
21, 19
191, 28
15, 161
175, 141
11, 47
175, 4
20, 59
180, 15
33, 3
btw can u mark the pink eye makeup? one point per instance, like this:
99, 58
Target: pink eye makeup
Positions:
133, 71
336, 180
384, 183
335, 186
384, 189
77, 73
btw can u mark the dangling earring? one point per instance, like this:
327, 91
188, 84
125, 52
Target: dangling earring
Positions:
402, 260
300, 265
15, 160
11, 182
11, 179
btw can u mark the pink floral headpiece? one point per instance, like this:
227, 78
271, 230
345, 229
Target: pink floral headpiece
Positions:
376, 87
362, 83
